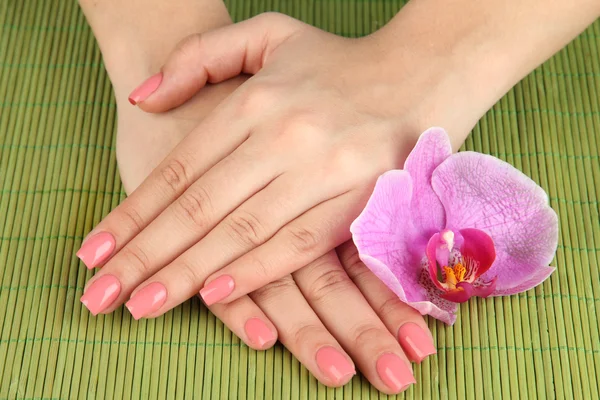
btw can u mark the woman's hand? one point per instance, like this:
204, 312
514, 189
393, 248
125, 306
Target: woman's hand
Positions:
319, 328
322, 317
272, 179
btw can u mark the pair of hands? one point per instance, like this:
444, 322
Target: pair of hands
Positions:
250, 206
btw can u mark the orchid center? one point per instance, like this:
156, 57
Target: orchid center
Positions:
457, 260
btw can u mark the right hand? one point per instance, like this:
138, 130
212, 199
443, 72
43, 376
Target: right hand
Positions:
332, 314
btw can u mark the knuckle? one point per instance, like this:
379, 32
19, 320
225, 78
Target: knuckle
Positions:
354, 266
195, 205
392, 305
328, 284
245, 228
303, 240
278, 22
262, 270
273, 290
256, 99
137, 258
301, 131
175, 175
304, 334
190, 44
348, 160
133, 218
269, 16
189, 274
366, 334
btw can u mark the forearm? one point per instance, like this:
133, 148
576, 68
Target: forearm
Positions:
136, 36
488, 45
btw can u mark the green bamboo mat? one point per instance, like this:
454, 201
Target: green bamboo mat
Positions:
58, 177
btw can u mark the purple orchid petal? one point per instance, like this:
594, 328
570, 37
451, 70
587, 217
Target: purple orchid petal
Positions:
478, 246
479, 191
426, 301
539, 276
384, 230
484, 289
431, 253
462, 293
430, 151
392, 248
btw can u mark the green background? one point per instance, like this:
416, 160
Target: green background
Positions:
58, 177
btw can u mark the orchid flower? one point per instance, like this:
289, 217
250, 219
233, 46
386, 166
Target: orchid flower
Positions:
452, 226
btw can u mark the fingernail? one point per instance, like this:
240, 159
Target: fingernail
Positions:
417, 344
147, 300
96, 249
101, 294
394, 372
149, 86
258, 332
334, 364
217, 290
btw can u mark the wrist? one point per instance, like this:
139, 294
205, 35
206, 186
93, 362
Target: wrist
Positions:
136, 36
472, 53
428, 87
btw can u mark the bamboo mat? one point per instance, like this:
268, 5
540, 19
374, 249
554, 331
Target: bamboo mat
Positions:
58, 177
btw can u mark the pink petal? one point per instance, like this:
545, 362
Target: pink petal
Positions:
539, 276
430, 151
431, 253
484, 289
392, 248
384, 230
478, 246
427, 300
483, 192
461, 294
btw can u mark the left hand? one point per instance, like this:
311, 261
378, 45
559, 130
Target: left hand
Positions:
273, 178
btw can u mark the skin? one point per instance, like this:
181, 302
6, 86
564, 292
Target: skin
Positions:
320, 293
323, 135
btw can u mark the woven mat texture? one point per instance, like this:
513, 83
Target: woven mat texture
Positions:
58, 177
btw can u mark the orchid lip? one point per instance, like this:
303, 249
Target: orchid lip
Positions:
456, 272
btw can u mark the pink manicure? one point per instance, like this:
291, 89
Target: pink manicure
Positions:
96, 249
217, 290
147, 300
143, 91
335, 365
101, 294
394, 372
416, 342
258, 332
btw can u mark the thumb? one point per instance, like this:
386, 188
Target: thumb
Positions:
213, 57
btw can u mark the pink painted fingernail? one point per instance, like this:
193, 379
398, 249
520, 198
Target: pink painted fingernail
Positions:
258, 332
96, 249
147, 300
417, 344
335, 365
101, 294
394, 372
217, 290
143, 91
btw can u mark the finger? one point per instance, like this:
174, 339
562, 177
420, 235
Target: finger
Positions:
195, 155
196, 212
244, 318
348, 316
213, 57
402, 321
303, 334
298, 243
186, 274
188, 219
